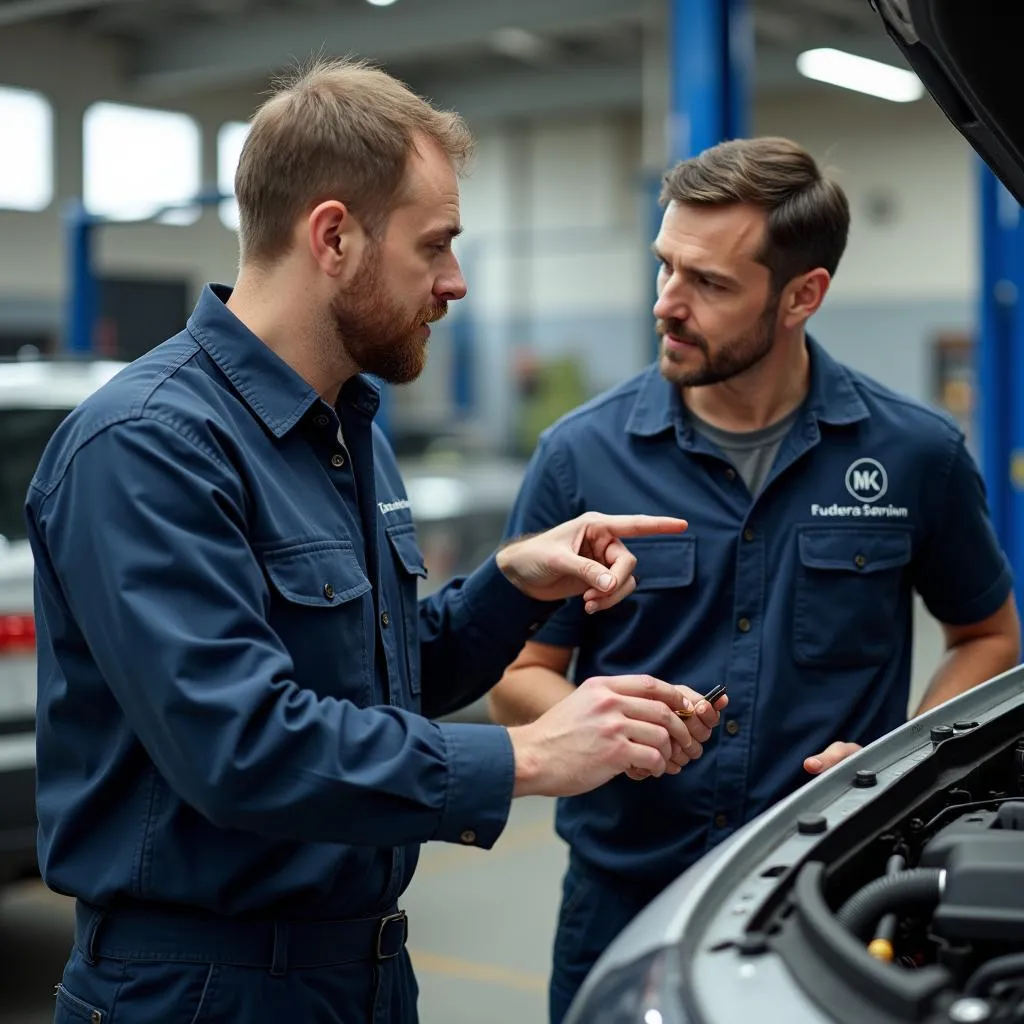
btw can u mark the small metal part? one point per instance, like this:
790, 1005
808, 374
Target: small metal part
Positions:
711, 696
865, 779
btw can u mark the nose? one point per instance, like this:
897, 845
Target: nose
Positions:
671, 306
451, 285
671, 303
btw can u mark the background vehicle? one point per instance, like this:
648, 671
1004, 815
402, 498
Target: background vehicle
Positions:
918, 841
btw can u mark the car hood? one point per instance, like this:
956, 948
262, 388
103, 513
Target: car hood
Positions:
963, 52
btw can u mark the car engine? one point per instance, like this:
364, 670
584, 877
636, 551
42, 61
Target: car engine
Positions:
912, 909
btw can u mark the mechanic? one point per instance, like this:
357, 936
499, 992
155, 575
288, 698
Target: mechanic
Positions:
233, 771
818, 500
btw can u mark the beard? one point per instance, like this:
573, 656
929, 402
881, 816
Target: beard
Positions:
729, 359
377, 332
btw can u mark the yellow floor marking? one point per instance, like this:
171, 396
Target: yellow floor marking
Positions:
488, 974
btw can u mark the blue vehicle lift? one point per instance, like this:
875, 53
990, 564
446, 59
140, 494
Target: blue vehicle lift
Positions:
711, 63
999, 411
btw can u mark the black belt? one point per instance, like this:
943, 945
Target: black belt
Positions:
158, 933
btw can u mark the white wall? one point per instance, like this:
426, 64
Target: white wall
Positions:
910, 155
558, 225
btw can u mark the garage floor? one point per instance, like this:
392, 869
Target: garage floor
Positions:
481, 923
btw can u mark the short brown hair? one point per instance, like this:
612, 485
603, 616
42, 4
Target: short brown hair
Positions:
808, 214
338, 129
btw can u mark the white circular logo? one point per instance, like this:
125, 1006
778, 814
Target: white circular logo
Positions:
866, 480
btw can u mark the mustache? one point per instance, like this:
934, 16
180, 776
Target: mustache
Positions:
435, 313
678, 330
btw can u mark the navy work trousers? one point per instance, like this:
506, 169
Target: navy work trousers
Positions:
595, 908
146, 966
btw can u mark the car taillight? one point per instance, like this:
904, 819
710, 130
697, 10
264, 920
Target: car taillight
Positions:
17, 634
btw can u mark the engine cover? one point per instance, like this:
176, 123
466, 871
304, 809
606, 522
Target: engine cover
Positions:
982, 895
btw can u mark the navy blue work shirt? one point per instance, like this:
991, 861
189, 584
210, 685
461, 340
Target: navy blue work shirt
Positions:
799, 599
232, 658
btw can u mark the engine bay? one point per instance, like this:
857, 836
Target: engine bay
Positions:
912, 909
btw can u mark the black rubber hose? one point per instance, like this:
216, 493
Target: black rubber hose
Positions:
881, 946
914, 889
1002, 968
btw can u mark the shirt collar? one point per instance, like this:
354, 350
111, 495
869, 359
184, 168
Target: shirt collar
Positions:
832, 398
271, 388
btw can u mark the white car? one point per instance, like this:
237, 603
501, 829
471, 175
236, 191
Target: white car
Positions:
34, 397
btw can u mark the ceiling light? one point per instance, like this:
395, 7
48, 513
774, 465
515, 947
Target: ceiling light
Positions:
520, 44
860, 74
381, 3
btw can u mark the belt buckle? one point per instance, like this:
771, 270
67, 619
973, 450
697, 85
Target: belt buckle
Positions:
384, 922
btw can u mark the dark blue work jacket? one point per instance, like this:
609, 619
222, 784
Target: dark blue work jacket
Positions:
232, 658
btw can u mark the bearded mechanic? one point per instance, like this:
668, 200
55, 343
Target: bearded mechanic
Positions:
818, 501
233, 774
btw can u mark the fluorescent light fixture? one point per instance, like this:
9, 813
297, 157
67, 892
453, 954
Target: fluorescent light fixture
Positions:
381, 3
860, 74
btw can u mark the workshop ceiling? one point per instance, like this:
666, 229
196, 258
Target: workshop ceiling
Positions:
515, 55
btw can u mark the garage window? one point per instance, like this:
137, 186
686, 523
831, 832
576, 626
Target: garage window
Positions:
138, 161
26, 140
229, 148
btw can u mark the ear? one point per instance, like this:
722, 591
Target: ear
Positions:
803, 296
335, 238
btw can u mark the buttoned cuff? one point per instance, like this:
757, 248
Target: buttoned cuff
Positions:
498, 607
481, 777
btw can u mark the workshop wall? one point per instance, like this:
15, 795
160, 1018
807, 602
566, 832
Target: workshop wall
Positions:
558, 222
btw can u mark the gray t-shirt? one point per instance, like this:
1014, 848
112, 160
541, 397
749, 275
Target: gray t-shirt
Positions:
751, 452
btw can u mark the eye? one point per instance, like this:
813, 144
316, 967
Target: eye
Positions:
710, 285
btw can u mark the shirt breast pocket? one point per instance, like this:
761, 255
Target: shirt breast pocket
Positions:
663, 563
641, 634
410, 568
849, 588
320, 607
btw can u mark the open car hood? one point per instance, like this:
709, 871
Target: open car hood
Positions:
967, 54
916, 843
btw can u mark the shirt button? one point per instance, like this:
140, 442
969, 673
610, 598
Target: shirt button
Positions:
328, 592
860, 561
731, 473
337, 461
732, 727
469, 836
321, 420
748, 534
385, 619
743, 625
721, 821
